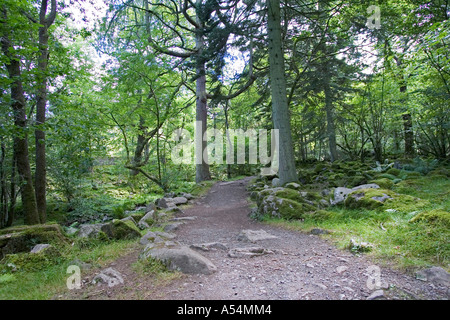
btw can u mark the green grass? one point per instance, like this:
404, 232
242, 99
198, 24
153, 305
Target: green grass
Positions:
46, 281
396, 240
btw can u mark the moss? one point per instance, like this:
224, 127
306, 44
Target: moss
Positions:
23, 238
409, 174
382, 198
436, 217
384, 183
320, 167
284, 208
394, 171
31, 261
364, 198
124, 230
356, 181
386, 176
321, 215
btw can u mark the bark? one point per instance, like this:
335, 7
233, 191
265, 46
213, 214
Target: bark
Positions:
201, 168
331, 131
280, 111
21, 138
41, 167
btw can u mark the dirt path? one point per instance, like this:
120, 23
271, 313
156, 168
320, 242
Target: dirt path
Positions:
295, 266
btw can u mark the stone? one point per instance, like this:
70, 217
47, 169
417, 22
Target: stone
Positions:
130, 218
247, 252
341, 193
184, 218
376, 295
109, 276
148, 219
24, 238
209, 246
254, 235
165, 203
276, 182
179, 200
91, 230
341, 269
172, 226
187, 195
181, 258
119, 229
317, 231
436, 275
40, 247
150, 237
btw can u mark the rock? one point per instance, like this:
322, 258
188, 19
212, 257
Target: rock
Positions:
172, 226
181, 258
208, 246
248, 252
254, 235
150, 237
71, 231
376, 295
188, 196
341, 193
293, 185
184, 218
119, 229
24, 238
147, 220
109, 276
130, 218
276, 182
165, 235
165, 203
179, 200
317, 231
91, 230
436, 275
341, 269
40, 247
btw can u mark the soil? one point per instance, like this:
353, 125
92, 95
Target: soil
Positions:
293, 266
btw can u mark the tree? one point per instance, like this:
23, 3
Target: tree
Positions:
12, 62
45, 21
280, 111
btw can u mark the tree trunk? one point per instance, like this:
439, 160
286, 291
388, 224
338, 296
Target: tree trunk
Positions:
409, 135
201, 168
331, 131
21, 138
280, 111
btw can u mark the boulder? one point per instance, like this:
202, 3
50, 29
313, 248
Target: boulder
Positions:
165, 203
93, 230
40, 247
179, 200
209, 246
24, 238
123, 230
150, 237
254, 235
436, 275
147, 220
341, 193
178, 257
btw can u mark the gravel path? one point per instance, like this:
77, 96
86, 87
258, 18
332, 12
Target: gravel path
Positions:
292, 266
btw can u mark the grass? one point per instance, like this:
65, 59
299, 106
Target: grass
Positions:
395, 239
49, 280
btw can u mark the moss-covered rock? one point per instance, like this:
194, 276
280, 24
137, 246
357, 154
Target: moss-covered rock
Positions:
436, 217
284, 208
394, 171
124, 230
384, 199
23, 238
384, 183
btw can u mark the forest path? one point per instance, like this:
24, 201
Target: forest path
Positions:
294, 265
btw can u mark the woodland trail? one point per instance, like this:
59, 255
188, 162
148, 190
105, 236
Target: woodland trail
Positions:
293, 266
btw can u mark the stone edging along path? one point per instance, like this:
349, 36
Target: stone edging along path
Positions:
253, 261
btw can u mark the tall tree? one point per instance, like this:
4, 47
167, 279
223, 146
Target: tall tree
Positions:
18, 104
280, 111
45, 21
